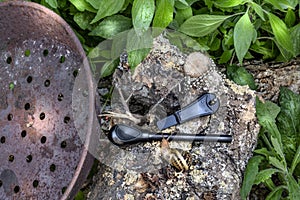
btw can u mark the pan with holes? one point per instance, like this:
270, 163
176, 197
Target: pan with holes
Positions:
42, 154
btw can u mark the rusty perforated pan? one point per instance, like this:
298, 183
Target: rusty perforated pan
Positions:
42, 155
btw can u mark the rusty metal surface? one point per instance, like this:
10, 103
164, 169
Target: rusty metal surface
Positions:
42, 155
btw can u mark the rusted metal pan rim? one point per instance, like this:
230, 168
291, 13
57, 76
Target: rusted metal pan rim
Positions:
40, 57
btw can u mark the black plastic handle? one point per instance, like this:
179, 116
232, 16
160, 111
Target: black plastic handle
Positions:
122, 135
205, 105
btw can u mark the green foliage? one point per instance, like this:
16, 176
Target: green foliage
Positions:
230, 30
105, 8
201, 25
280, 152
244, 33
80, 196
250, 175
11, 85
164, 13
240, 76
142, 14
111, 26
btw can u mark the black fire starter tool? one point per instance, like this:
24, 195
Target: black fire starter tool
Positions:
122, 135
206, 104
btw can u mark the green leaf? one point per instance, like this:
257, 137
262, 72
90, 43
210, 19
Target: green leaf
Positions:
182, 4
296, 160
264, 49
281, 5
135, 57
276, 193
138, 46
293, 187
164, 13
119, 43
240, 76
228, 3
263, 151
52, 3
289, 116
80, 196
142, 14
83, 19
108, 68
281, 32
288, 121
106, 8
276, 163
244, 33
295, 35
94, 3
278, 147
111, 26
215, 44
266, 112
290, 18
250, 175
136, 41
82, 5
183, 14
201, 25
258, 9
264, 175
11, 85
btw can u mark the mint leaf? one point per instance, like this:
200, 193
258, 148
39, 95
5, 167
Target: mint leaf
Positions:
244, 33
264, 175
250, 175
164, 13
240, 76
281, 33
201, 25
142, 14
106, 8
111, 26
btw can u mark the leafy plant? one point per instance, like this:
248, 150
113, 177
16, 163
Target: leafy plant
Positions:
276, 160
240, 76
231, 30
